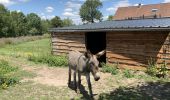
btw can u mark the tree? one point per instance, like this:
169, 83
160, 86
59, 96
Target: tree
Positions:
34, 24
56, 22
67, 22
110, 17
89, 11
45, 25
19, 23
4, 19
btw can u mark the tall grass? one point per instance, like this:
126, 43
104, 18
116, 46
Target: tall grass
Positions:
16, 40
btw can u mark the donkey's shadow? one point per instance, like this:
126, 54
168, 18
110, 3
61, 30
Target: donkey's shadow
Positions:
82, 91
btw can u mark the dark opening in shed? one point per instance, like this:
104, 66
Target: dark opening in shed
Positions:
96, 42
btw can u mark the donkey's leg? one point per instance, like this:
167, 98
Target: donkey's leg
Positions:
69, 76
75, 83
89, 84
79, 80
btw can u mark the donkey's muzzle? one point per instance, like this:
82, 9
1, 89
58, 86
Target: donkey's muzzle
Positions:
96, 78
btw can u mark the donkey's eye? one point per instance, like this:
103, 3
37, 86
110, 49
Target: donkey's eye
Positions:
92, 63
96, 68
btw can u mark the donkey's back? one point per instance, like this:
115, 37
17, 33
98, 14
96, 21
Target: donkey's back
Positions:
75, 60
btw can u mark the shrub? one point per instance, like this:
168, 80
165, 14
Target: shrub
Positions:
152, 68
163, 70
158, 70
6, 79
51, 60
113, 69
127, 73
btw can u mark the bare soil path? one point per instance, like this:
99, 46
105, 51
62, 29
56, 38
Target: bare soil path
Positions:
107, 87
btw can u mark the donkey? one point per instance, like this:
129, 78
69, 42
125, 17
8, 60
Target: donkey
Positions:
83, 64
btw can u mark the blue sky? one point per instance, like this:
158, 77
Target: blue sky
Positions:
47, 9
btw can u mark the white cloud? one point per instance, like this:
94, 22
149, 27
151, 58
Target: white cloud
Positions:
105, 17
122, 3
72, 11
111, 9
47, 17
70, 14
72, 5
44, 16
165, 1
49, 9
7, 2
11, 2
68, 10
18, 11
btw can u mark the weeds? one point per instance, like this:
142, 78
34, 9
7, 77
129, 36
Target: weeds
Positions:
152, 68
158, 70
6, 79
163, 70
51, 60
127, 73
113, 69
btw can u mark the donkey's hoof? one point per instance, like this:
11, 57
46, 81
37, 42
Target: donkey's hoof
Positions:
78, 91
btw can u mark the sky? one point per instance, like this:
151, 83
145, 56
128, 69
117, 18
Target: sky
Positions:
48, 9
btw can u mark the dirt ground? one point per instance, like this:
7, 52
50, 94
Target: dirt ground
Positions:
107, 88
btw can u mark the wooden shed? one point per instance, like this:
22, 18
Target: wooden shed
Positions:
131, 43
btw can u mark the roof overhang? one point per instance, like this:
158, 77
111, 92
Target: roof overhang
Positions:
162, 24
110, 30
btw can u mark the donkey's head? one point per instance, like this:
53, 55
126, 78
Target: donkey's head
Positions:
93, 63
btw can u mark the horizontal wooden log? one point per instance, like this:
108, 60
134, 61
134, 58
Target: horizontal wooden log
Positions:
68, 40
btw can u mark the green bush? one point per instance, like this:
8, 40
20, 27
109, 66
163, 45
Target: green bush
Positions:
127, 73
51, 60
163, 70
152, 68
110, 69
6, 79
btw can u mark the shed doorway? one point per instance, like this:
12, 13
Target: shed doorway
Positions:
96, 42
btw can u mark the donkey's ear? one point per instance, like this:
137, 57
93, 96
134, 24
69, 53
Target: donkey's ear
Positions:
87, 54
99, 54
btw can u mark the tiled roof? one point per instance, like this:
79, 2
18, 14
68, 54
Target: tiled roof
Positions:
120, 25
160, 10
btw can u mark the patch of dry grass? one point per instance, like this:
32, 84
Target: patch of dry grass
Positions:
16, 40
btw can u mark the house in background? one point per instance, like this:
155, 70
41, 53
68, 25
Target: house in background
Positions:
129, 42
143, 11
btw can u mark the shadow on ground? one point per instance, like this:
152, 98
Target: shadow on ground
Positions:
148, 91
85, 94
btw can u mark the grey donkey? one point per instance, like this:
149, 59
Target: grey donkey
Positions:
83, 64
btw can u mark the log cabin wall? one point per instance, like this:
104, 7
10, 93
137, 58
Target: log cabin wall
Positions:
62, 43
133, 50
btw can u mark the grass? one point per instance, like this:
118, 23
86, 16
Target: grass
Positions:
128, 74
6, 77
50, 60
118, 86
26, 49
16, 40
31, 91
38, 51
110, 69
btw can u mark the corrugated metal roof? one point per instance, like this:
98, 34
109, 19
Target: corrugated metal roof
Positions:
120, 25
